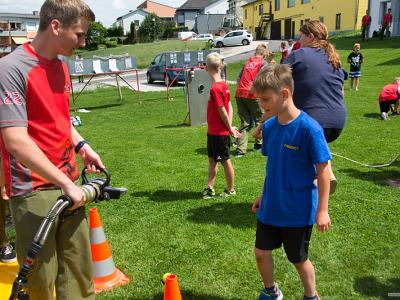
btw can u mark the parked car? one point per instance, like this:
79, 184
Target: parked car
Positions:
157, 72
235, 37
186, 35
204, 37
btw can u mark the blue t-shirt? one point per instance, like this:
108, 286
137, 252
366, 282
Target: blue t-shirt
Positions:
318, 87
290, 198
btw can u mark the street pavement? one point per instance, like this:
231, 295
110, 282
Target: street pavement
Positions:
231, 54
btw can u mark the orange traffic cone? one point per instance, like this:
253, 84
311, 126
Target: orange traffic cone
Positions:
106, 275
171, 288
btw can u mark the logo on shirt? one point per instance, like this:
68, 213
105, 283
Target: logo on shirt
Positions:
291, 147
11, 98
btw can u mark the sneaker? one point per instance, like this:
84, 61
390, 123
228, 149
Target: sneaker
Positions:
208, 193
316, 297
384, 116
239, 155
226, 193
356, 89
7, 254
257, 147
265, 295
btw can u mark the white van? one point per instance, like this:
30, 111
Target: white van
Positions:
186, 35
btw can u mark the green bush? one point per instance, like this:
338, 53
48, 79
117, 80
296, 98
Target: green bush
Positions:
111, 43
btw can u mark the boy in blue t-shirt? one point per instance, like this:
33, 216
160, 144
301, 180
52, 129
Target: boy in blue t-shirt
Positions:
290, 202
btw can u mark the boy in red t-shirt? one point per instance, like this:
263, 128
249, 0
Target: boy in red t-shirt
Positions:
284, 51
219, 121
386, 23
388, 98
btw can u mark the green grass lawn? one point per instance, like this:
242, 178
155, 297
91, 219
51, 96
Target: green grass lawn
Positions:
146, 52
162, 224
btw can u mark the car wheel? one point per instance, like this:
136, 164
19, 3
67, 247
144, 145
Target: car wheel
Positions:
149, 79
245, 42
220, 44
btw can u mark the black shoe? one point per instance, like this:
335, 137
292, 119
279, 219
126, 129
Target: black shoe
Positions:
7, 254
257, 147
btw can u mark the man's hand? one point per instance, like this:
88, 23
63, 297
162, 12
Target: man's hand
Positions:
76, 194
4, 193
323, 221
90, 159
256, 205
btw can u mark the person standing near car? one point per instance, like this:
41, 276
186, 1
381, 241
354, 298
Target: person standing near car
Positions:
38, 145
247, 106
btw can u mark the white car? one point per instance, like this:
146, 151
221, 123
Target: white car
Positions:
235, 37
204, 37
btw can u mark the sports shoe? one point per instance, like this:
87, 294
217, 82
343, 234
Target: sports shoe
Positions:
239, 155
316, 297
226, 193
384, 116
257, 147
266, 295
7, 254
208, 193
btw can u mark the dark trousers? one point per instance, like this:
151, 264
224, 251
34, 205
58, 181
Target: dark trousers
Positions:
365, 32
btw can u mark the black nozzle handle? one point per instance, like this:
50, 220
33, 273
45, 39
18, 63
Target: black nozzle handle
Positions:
102, 170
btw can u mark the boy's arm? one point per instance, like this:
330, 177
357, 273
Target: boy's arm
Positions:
226, 119
230, 113
323, 178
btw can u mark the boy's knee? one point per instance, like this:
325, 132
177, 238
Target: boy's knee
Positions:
261, 254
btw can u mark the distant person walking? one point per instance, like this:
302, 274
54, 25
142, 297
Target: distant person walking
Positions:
366, 23
386, 23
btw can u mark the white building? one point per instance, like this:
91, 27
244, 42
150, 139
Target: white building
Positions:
377, 8
187, 13
136, 16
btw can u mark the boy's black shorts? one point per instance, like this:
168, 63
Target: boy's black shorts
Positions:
295, 240
218, 147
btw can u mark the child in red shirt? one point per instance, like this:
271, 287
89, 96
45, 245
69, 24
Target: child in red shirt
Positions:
388, 98
219, 121
284, 51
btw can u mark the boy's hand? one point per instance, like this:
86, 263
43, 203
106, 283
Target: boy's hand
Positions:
235, 133
257, 133
323, 221
4, 193
256, 205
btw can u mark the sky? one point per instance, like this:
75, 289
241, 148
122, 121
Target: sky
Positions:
106, 11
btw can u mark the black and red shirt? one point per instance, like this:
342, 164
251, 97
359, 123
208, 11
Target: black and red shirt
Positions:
219, 97
250, 70
35, 93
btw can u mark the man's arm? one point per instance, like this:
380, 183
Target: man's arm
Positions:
323, 178
25, 150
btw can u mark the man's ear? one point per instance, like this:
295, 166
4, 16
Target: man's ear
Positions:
285, 93
55, 26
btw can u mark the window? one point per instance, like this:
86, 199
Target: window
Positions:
245, 13
305, 1
136, 23
301, 22
321, 19
277, 5
261, 9
338, 19
291, 3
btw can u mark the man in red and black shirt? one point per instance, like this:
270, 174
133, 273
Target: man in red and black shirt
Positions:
248, 109
38, 146
365, 24
386, 23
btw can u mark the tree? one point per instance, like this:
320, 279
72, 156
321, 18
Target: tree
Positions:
115, 31
151, 28
96, 35
132, 33
169, 29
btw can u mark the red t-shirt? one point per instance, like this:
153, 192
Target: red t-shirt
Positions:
387, 19
35, 93
285, 53
250, 70
219, 97
390, 92
366, 20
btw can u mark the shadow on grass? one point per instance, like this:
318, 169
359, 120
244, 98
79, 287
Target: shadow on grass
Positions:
167, 195
373, 115
172, 126
201, 151
99, 106
391, 62
187, 295
371, 287
377, 176
238, 215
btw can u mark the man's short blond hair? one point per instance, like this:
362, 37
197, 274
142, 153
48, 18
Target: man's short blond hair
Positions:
67, 12
262, 49
214, 61
274, 77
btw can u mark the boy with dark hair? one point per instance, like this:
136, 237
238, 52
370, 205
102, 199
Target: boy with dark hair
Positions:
290, 203
219, 122
38, 147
